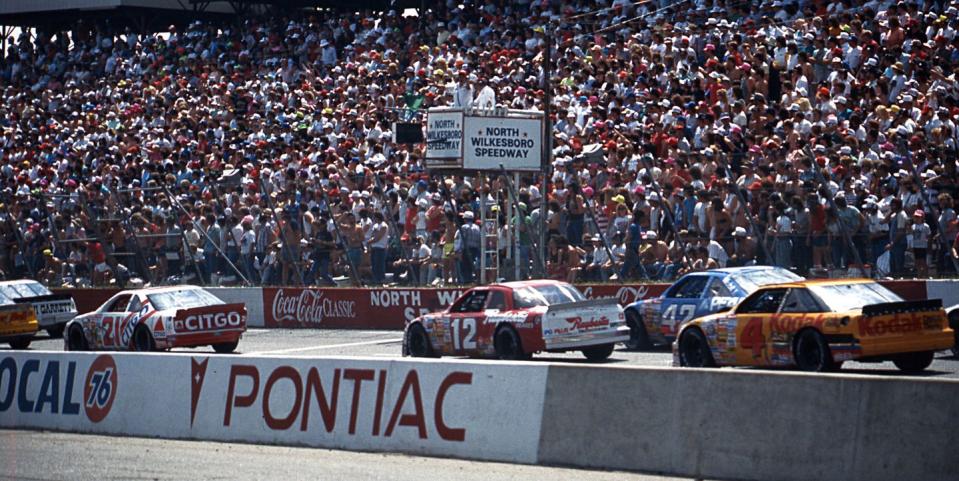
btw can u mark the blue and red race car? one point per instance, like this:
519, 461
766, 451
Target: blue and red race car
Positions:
697, 294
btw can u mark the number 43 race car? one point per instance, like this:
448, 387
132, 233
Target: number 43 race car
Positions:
817, 325
516, 319
159, 318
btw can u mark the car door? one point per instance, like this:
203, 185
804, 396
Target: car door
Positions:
681, 302
751, 325
463, 320
108, 322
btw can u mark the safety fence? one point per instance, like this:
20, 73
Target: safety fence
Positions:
737, 424
387, 308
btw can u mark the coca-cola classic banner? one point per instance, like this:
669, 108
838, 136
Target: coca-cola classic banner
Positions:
390, 308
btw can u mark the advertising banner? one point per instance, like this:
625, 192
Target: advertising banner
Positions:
516, 143
469, 409
444, 139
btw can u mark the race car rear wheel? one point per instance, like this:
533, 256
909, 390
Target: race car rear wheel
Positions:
143, 339
226, 347
812, 353
418, 342
914, 361
76, 341
21, 342
694, 349
599, 353
638, 337
508, 345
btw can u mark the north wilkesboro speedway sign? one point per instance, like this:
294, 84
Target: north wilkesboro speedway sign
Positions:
484, 140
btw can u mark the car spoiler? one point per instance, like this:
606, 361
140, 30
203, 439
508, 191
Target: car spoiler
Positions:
46, 298
901, 307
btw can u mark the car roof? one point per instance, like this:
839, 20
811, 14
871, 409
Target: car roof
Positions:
530, 283
744, 270
819, 282
19, 281
154, 290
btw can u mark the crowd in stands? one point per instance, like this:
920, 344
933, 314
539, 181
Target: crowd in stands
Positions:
815, 135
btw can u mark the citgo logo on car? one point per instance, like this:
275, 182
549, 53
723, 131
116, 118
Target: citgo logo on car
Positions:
100, 388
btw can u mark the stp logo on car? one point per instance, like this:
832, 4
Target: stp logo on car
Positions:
100, 388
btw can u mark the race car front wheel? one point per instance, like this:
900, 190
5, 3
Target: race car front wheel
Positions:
418, 342
812, 353
508, 345
21, 343
694, 349
143, 339
599, 353
914, 361
76, 341
638, 337
226, 347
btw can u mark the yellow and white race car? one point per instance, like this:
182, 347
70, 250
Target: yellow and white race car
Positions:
817, 325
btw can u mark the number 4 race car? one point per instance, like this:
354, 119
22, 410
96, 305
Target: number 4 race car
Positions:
159, 318
656, 321
817, 325
516, 319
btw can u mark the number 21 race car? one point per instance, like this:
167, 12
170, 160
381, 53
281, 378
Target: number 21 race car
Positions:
817, 325
516, 319
159, 318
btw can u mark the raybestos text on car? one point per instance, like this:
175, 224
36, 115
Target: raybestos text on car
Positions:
514, 320
818, 325
157, 319
657, 320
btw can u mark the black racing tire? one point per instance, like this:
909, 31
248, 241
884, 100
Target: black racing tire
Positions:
76, 340
508, 345
694, 349
913, 362
56, 332
225, 347
143, 339
811, 352
954, 324
417, 343
21, 342
638, 337
599, 353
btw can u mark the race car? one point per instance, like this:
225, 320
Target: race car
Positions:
18, 325
953, 313
53, 310
513, 320
157, 319
817, 325
655, 321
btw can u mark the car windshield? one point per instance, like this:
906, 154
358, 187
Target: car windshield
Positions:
846, 297
182, 299
750, 281
546, 295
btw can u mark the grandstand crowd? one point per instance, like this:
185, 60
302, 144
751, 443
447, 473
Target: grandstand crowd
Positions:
815, 135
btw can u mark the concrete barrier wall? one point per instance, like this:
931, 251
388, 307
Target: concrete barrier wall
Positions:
751, 425
737, 424
251, 296
478, 409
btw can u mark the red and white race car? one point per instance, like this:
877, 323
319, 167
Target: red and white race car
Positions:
158, 318
516, 319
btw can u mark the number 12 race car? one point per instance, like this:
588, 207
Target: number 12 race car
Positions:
516, 319
817, 325
159, 318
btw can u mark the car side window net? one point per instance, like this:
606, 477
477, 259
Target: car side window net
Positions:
763, 302
496, 301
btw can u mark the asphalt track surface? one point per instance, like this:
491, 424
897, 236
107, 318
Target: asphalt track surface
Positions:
31, 456
388, 344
